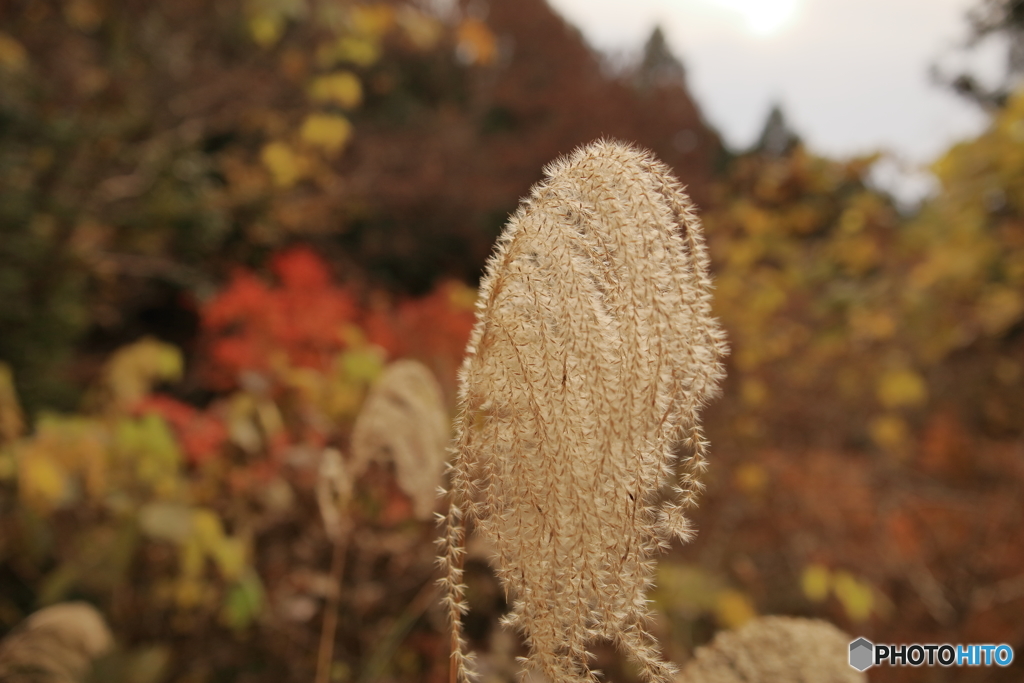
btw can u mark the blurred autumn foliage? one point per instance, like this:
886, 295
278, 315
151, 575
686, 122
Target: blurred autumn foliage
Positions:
184, 519
222, 222
871, 462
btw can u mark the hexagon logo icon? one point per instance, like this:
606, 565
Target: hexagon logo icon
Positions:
861, 653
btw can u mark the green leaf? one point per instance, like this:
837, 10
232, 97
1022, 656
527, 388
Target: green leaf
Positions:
244, 602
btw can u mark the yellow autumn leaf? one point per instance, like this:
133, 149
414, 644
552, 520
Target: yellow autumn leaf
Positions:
285, 165
266, 29
870, 324
76, 445
88, 455
363, 364
852, 221
756, 221
902, 388
856, 597
476, 42
148, 447
13, 56
733, 608
133, 369
42, 483
351, 374
856, 253
999, 308
371, 20
330, 132
270, 418
12, 420
342, 88
754, 392
743, 254
8, 464
768, 297
307, 383
685, 589
889, 432
267, 19
803, 219
207, 529
191, 559
462, 296
189, 592
422, 30
815, 582
349, 49
229, 556
242, 428
750, 478
344, 399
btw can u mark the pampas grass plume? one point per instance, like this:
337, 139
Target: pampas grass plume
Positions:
593, 352
405, 421
55, 645
775, 650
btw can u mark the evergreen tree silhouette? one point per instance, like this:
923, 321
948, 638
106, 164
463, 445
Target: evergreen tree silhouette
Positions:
659, 67
1000, 18
776, 138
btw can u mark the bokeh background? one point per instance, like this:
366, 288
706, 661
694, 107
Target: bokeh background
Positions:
221, 220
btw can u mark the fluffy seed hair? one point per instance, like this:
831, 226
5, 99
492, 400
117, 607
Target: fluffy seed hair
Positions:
593, 351
404, 420
775, 650
55, 645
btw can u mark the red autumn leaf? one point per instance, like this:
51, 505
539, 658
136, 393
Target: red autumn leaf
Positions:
303, 317
431, 327
200, 434
300, 268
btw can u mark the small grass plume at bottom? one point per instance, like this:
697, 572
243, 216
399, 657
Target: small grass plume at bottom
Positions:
775, 650
55, 645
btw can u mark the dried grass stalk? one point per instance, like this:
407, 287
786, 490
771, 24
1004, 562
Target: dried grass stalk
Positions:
593, 352
404, 420
333, 494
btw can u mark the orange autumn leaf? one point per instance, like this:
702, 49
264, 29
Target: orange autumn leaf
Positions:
477, 43
303, 317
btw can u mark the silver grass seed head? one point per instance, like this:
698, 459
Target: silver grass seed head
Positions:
775, 649
404, 420
593, 352
56, 644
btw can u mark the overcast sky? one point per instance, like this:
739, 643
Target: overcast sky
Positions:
851, 75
